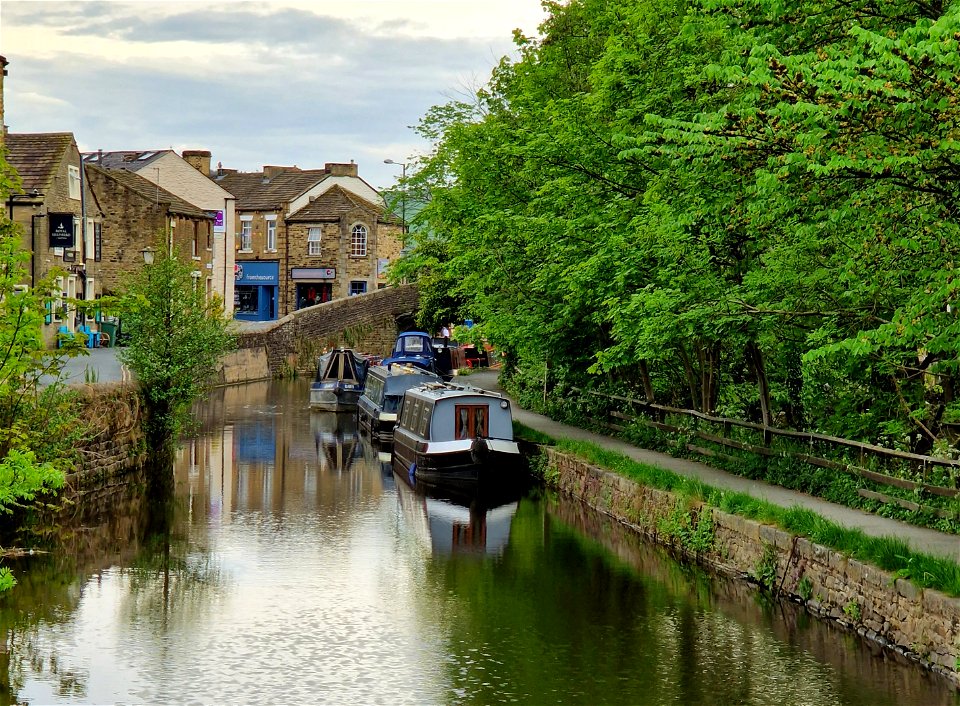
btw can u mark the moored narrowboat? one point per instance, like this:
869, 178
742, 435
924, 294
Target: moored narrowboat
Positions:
455, 434
339, 382
382, 394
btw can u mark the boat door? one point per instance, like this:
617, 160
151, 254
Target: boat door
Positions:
472, 421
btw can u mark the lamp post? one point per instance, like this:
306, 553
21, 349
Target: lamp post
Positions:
148, 255
403, 193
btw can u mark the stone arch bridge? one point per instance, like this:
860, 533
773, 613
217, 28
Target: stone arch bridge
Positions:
368, 323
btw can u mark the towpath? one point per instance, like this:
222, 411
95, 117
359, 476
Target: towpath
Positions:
919, 538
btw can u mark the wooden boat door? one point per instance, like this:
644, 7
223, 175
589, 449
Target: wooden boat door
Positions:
471, 421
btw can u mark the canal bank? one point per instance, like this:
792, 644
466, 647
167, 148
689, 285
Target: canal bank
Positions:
920, 624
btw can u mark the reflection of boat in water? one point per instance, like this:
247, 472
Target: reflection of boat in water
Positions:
340, 377
457, 522
336, 438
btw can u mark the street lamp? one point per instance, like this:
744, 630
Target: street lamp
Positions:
148, 255
403, 193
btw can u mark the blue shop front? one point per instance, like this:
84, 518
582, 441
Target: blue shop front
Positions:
256, 290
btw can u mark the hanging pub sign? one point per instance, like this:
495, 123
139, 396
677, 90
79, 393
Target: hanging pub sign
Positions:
61, 230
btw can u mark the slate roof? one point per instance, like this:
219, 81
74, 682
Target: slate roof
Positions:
149, 191
37, 157
332, 204
255, 194
133, 160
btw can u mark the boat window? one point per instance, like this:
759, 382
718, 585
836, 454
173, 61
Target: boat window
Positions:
425, 414
405, 412
414, 344
471, 421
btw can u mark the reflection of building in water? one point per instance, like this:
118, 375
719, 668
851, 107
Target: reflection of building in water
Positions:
262, 449
456, 525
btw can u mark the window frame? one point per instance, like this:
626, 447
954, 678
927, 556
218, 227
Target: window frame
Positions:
351, 293
311, 242
73, 181
246, 233
271, 234
358, 244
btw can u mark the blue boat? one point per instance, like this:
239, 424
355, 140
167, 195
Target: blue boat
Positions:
418, 349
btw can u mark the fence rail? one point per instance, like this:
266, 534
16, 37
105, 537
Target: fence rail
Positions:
656, 415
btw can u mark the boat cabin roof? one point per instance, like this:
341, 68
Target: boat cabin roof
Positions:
447, 390
341, 364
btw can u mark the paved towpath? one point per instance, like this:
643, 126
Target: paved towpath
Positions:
919, 538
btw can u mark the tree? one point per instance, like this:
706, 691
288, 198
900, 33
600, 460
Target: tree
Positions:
177, 337
39, 418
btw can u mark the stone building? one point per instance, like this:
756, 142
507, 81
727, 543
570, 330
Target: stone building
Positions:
138, 214
60, 220
188, 178
282, 266
334, 248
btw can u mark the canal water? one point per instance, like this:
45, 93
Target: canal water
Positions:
292, 566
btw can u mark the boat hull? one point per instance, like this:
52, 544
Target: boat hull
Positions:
327, 397
461, 463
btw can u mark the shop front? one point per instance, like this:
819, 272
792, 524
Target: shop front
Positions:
256, 290
314, 285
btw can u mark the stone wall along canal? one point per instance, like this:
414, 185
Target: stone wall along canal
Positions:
291, 566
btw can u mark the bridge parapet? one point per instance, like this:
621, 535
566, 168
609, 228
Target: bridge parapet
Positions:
367, 323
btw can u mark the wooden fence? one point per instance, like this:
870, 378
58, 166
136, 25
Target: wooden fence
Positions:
936, 476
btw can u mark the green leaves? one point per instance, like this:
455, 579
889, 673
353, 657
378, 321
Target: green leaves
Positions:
177, 337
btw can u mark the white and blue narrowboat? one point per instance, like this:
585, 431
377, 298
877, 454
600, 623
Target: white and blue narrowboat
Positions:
455, 434
379, 403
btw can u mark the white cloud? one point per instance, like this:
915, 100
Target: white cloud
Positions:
256, 83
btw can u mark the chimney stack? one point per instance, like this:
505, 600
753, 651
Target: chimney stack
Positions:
3, 125
340, 169
199, 160
270, 171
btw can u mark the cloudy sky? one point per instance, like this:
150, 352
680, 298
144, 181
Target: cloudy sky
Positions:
255, 83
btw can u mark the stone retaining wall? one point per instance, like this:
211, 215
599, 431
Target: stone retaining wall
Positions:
118, 445
921, 624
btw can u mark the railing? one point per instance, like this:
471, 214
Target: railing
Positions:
936, 476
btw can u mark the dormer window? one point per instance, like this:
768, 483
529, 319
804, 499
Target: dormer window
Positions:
73, 177
358, 241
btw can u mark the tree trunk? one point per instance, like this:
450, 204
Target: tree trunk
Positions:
691, 377
755, 355
647, 384
709, 356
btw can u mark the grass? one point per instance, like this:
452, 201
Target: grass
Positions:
888, 553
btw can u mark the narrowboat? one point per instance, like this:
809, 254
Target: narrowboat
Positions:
382, 394
455, 434
339, 382
420, 350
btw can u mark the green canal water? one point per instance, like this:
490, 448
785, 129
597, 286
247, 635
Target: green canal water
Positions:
291, 566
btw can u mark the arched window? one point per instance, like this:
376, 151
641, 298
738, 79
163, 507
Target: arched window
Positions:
358, 241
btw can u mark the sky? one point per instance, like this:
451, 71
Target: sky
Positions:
280, 83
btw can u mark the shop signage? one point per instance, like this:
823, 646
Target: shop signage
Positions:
254, 272
219, 225
61, 230
313, 273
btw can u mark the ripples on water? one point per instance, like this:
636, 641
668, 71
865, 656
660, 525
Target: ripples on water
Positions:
295, 568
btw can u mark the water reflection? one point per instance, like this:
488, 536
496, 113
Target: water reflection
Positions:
292, 565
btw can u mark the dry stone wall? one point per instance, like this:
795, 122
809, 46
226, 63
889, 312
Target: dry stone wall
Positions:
920, 624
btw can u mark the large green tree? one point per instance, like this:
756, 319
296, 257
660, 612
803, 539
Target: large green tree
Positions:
743, 206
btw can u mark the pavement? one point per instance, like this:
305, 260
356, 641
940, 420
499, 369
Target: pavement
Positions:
919, 539
99, 365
